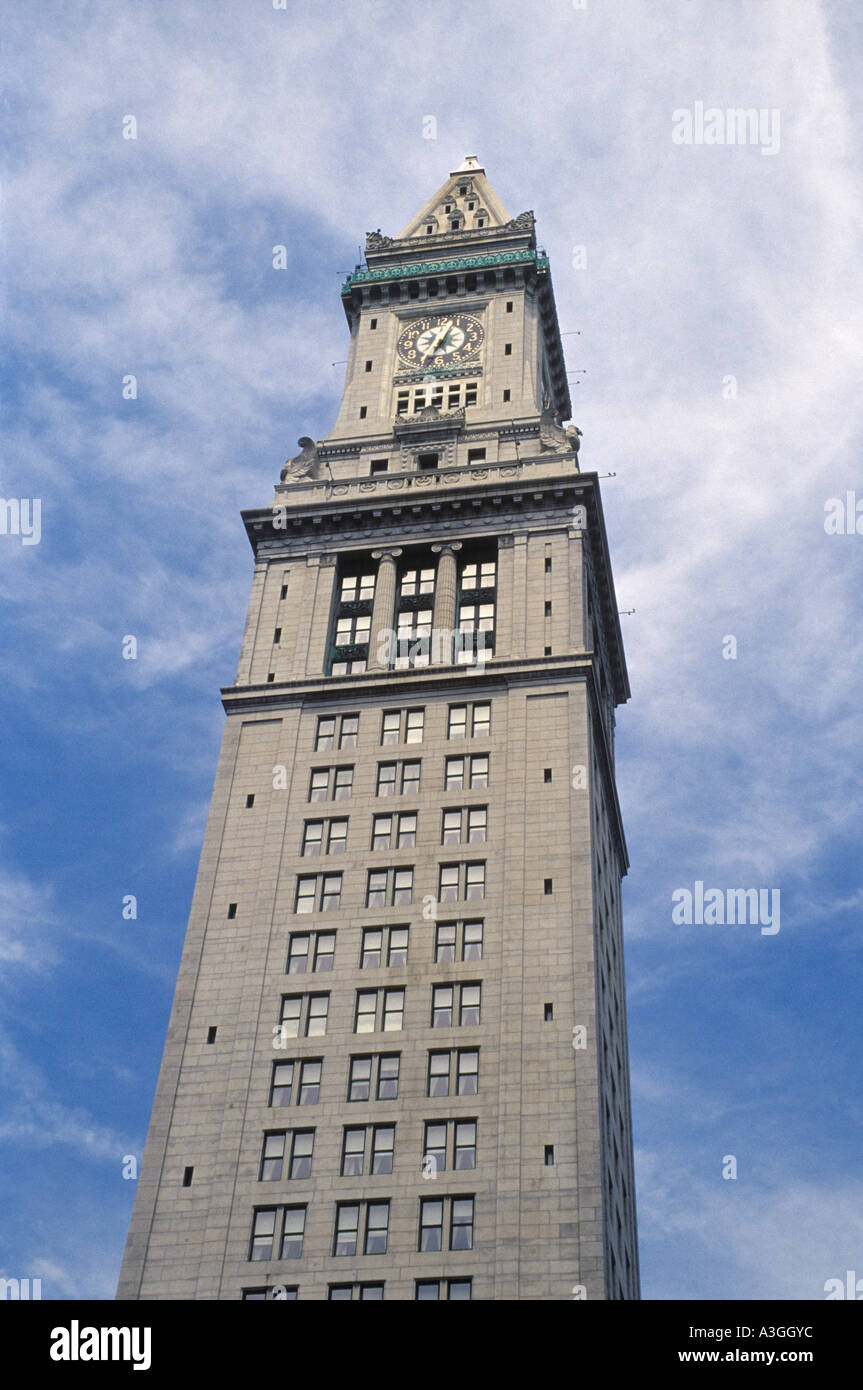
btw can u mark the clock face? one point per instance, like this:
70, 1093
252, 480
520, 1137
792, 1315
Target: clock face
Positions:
441, 340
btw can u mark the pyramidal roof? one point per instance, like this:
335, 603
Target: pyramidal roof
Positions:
466, 199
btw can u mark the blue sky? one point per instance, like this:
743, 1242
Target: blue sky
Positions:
304, 127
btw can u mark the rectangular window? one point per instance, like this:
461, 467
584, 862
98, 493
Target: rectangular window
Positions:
359, 1078
319, 784
431, 1224
467, 1072
353, 1153
326, 734
386, 779
474, 880
371, 955
479, 770
298, 954
407, 830
343, 783
349, 729
439, 1073
292, 1235
454, 774
377, 1228
313, 835
448, 883
263, 1234
445, 942
383, 1145
281, 1089
302, 1148
391, 726
325, 949
365, 1016
388, 1077
481, 720
410, 779
457, 721
316, 1022
272, 1157
394, 1010
310, 1083
347, 1228
461, 1223
337, 837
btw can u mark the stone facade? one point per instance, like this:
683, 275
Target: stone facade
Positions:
513, 544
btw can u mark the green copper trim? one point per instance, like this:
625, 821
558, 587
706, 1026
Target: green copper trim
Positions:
397, 272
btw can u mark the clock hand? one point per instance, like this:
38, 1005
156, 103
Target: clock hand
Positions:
438, 338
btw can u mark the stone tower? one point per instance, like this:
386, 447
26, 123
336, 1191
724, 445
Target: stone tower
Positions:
396, 1066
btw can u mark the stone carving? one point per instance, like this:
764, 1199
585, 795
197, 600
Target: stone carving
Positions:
523, 223
302, 464
375, 241
552, 435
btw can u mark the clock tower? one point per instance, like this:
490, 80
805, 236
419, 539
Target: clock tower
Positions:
396, 1065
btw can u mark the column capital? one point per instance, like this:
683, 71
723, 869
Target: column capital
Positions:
447, 547
390, 554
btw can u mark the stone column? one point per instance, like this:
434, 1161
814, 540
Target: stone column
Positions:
384, 606
445, 593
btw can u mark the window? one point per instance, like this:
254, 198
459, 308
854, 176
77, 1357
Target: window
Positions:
380, 1146
314, 1008
346, 1293
387, 779
461, 1223
433, 1222
506, 394
457, 721
357, 588
263, 1234
402, 726
433, 1290
310, 1083
373, 323
427, 462
326, 733
410, 779
318, 891
250, 801
461, 881
548, 1014
481, 722
379, 1008
507, 349
455, 1005
313, 834
301, 1143
378, 466
261, 1295
448, 937
328, 783
384, 946
267, 1222
353, 1153
509, 306
476, 455
368, 366
318, 946
394, 886
349, 1217
378, 1073
469, 824
363, 412
464, 1062
337, 838
469, 772
546, 774
450, 1143
417, 581
281, 1088
413, 638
